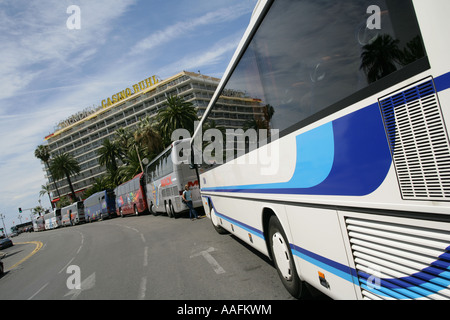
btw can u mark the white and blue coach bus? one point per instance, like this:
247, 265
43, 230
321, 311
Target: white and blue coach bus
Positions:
350, 193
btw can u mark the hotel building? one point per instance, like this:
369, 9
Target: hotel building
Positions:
81, 135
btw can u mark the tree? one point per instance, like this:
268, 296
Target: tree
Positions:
413, 51
38, 210
132, 165
123, 140
43, 154
379, 58
177, 114
65, 165
109, 153
261, 122
45, 190
148, 137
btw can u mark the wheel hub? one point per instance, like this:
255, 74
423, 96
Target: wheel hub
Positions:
281, 255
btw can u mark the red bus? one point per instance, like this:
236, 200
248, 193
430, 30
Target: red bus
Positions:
131, 197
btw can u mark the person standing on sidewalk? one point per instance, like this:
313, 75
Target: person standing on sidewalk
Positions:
187, 199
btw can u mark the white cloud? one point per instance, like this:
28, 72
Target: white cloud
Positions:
184, 28
36, 42
198, 60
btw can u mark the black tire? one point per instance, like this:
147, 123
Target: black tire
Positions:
151, 209
172, 210
168, 212
215, 223
283, 259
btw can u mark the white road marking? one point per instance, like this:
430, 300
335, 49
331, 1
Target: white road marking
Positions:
146, 257
143, 288
65, 267
34, 295
209, 258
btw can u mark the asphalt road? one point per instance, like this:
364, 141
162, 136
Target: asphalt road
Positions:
137, 258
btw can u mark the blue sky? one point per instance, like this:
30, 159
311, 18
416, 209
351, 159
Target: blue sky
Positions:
49, 72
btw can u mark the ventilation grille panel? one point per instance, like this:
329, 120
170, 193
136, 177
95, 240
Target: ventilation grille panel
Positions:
419, 142
397, 261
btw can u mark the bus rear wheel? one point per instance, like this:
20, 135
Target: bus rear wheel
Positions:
215, 223
283, 259
152, 209
170, 210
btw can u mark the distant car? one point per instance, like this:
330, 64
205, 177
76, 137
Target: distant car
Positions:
5, 243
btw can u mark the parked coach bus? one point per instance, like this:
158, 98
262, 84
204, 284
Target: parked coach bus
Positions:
350, 193
131, 198
39, 223
73, 215
166, 180
53, 219
99, 206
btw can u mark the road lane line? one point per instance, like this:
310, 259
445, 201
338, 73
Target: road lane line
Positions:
34, 295
143, 288
38, 247
82, 242
146, 257
66, 266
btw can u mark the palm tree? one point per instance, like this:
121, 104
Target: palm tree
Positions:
148, 137
65, 165
43, 154
132, 165
45, 190
178, 114
123, 140
380, 57
413, 51
109, 153
38, 210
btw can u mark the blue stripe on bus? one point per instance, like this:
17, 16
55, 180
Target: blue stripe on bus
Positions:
315, 158
353, 159
242, 225
235, 222
442, 82
338, 269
